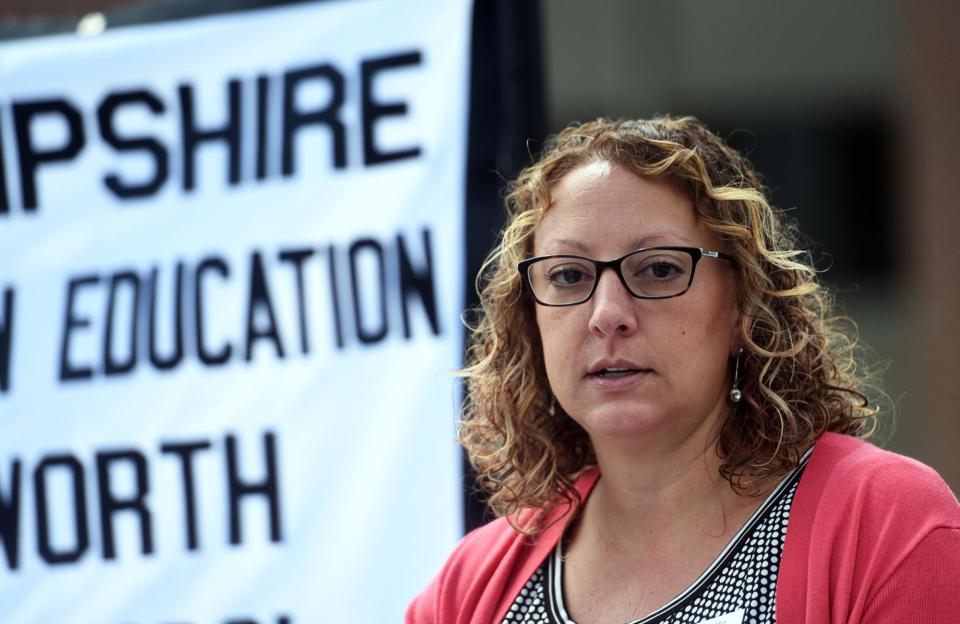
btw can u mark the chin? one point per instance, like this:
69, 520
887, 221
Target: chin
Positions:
622, 420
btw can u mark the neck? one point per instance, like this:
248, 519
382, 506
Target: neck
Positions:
656, 487
662, 485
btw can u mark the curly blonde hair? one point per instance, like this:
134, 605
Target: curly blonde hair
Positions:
799, 371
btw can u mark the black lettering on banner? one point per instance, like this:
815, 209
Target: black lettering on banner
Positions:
260, 300
60, 482
29, 157
296, 257
6, 338
111, 365
268, 487
374, 110
146, 316
263, 100
294, 120
207, 356
193, 136
150, 145
419, 282
10, 517
379, 331
81, 529
185, 452
69, 370
4, 196
166, 362
110, 504
335, 294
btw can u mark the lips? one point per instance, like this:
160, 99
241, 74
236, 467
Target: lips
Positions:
616, 374
615, 368
610, 373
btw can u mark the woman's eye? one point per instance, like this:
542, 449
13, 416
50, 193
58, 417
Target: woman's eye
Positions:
566, 276
661, 270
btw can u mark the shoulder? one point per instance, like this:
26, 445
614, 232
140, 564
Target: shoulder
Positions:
468, 569
482, 546
849, 474
502, 533
863, 519
857, 501
490, 565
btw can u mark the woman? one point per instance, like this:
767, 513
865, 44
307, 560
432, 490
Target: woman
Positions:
668, 421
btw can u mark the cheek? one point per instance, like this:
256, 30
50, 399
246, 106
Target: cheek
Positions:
548, 333
700, 325
557, 341
725, 323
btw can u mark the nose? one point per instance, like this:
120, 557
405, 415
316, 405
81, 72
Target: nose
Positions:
614, 309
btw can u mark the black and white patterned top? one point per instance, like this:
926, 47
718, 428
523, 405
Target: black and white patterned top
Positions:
738, 587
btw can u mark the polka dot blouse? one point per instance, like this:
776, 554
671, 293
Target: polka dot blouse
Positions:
738, 587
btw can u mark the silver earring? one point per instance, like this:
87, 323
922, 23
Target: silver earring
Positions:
552, 410
735, 394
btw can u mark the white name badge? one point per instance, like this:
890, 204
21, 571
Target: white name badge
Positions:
734, 617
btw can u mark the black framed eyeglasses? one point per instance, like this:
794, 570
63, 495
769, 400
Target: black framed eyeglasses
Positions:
649, 273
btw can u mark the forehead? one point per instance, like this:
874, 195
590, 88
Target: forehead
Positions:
604, 209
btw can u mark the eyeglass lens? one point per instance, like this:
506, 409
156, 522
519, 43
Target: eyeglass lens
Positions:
559, 280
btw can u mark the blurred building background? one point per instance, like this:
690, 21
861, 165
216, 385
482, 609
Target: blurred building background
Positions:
850, 110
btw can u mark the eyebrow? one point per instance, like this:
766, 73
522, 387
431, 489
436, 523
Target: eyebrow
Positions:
653, 240
566, 242
637, 243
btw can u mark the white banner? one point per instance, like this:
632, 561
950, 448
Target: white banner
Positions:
230, 289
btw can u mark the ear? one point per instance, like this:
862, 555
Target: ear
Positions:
736, 340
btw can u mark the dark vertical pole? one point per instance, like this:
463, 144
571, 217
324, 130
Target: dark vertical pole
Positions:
506, 127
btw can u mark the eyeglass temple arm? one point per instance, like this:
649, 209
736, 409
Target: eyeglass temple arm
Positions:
719, 255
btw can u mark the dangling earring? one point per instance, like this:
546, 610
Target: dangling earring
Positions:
735, 394
552, 410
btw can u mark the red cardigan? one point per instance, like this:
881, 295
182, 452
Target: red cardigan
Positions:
873, 537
